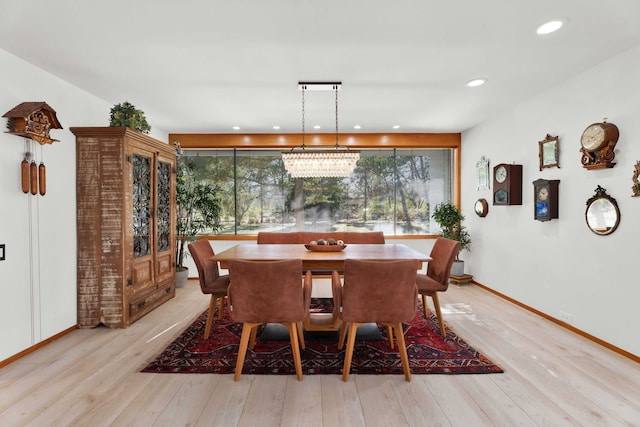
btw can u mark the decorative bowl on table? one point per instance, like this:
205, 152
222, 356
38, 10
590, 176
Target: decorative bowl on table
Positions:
325, 248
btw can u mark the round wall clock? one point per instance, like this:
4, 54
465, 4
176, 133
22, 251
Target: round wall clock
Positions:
481, 208
598, 142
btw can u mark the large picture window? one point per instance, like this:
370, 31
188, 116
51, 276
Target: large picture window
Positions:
391, 190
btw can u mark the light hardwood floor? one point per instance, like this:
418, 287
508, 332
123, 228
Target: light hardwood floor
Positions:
552, 378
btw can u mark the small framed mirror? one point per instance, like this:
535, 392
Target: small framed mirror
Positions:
602, 214
548, 152
482, 173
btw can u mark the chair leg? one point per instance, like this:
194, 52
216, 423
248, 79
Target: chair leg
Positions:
402, 348
293, 336
436, 304
343, 334
252, 339
424, 306
220, 307
242, 350
300, 335
212, 308
390, 335
349, 353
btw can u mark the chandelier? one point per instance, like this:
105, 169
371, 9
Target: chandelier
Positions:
302, 162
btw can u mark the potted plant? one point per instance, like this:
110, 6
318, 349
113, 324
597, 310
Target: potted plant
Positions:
198, 209
127, 115
449, 218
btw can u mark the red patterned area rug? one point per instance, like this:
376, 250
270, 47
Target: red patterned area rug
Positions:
429, 353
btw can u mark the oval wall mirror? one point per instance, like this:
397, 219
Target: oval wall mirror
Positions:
602, 214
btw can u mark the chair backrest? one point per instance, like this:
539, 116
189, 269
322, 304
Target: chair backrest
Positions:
369, 237
443, 254
208, 271
302, 237
266, 291
379, 291
271, 237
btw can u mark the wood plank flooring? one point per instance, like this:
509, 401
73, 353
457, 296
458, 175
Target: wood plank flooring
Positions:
552, 377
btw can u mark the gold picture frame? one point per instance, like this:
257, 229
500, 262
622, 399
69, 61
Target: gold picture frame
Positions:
548, 152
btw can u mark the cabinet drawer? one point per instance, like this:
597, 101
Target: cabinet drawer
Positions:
140, 306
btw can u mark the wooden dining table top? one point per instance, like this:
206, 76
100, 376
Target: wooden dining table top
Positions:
312, 260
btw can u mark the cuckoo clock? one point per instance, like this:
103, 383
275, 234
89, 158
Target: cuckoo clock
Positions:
32, 120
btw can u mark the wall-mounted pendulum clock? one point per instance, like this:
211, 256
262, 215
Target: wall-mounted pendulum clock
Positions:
507, 184
545, 199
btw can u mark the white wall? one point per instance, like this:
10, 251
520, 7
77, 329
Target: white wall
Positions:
38, 277
560, 267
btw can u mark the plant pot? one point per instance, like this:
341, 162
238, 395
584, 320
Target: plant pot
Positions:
181, 277
457, 268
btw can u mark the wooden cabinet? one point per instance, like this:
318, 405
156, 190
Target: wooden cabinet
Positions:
125, 188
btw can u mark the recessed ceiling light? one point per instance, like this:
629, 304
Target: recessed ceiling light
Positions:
236, 128
476, 82
357, 127
396, 126
550, 27
276, 127
316, 126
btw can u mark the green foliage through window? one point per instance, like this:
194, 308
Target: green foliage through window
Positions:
393, 191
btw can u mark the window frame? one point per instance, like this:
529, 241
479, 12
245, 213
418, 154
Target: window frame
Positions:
353, 141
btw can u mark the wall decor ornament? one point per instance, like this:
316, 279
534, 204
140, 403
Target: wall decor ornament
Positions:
598, 143
33, 121
636, 182
482, 173
548, 152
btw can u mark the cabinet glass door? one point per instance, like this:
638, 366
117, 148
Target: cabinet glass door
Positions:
166, 193
141, 206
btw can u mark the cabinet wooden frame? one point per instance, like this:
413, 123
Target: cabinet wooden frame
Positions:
548, 152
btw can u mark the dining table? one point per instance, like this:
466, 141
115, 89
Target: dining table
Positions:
316, 260
321, 261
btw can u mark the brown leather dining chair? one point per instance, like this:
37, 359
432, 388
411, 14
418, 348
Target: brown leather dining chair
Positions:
375, 292
269, 292
437, 278
211, 282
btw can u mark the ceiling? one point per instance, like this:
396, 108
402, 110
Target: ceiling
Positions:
204, 66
